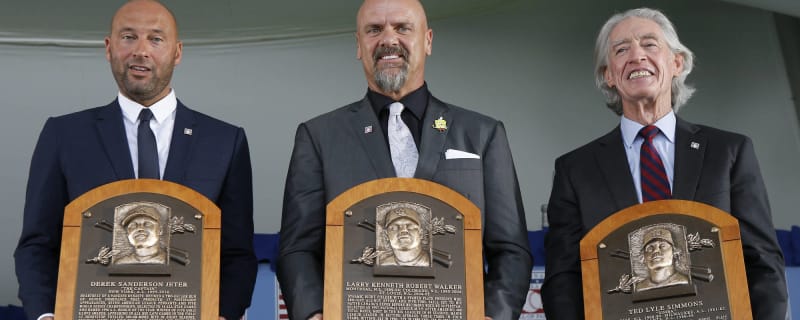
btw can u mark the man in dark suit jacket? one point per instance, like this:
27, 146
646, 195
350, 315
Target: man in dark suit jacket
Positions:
641, 67
348, 146
80, 151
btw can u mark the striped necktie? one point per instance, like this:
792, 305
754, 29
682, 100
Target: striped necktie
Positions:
655, 184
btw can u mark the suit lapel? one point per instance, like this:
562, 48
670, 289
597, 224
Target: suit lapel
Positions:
432, 140
613, 162
180, 146
111, 129
363, 117
690, 149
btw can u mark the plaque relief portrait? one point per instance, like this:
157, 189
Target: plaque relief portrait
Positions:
403, 231
139, 234
404, 245
660, 261
659, 256
403, 235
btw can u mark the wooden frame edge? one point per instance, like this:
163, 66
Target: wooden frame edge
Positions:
730, 248
473, 265
591, 288
70, 249
335, 209
334, 234
333, 273
71, 235
729, 226
734, 265
209, 290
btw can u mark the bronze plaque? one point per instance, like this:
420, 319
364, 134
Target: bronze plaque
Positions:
403, 258
140, 258
663, 267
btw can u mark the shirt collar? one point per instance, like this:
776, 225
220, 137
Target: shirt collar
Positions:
161, 109
630, 129
416, 101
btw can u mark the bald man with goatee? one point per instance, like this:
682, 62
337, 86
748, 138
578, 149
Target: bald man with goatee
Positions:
465, 151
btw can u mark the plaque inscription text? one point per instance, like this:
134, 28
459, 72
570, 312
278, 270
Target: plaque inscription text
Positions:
137, 300
400, 300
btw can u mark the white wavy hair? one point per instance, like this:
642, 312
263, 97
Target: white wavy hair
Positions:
681, 92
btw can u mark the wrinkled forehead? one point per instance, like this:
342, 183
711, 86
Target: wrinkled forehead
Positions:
379, 12
634, 28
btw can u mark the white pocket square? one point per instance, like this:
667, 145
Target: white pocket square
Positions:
458, 154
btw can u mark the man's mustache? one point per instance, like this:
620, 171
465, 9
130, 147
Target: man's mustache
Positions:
389, 51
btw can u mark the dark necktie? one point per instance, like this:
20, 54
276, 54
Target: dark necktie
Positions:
655, 184
148, 152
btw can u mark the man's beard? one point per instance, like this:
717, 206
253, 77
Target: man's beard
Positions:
141, 91
146, 91
387, 80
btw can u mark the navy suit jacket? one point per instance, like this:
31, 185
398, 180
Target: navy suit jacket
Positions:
333, 153
83, 150
594, 181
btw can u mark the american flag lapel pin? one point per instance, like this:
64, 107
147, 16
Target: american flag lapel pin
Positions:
187, 131
367, 129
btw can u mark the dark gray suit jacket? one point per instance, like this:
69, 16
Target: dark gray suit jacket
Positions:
332, 153
83, 150
594, 181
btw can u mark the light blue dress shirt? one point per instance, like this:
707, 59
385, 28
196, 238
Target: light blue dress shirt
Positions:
664, 143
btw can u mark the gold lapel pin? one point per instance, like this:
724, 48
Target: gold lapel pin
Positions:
440, 124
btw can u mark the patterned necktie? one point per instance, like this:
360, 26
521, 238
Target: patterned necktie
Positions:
655, 184
148, 152
401, 143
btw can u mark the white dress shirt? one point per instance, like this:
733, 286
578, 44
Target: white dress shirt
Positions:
664, 143
162, 123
